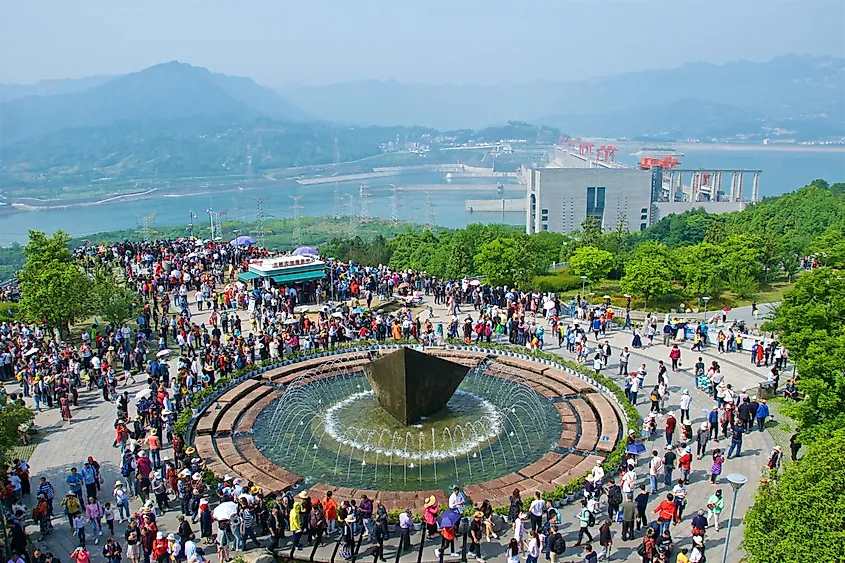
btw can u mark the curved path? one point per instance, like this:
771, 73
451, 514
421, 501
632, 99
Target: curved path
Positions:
92, 434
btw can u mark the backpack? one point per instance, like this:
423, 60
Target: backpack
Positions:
558, 544
126, 467
591, 519
616, 497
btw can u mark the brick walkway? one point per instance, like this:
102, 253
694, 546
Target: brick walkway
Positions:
91, 433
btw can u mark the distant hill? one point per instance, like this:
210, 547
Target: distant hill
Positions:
799, 93
163, 92
9, 92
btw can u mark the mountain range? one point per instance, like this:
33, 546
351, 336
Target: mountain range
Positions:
163, 92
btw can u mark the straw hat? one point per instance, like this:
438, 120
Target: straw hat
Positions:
478, 514
349, 519
303, 495
255, 489
430, 501
189, 450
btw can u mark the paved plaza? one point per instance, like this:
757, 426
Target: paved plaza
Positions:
92, 434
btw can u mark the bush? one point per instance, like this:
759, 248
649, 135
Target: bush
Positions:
8, 310
557, 282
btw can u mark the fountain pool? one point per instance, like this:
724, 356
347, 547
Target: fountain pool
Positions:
332, 430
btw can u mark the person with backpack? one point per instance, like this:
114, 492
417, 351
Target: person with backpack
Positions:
605, 539
585, 520
614, 499
557, 545
696, 554
127, 469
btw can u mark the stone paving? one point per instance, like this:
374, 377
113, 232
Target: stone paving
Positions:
91, 433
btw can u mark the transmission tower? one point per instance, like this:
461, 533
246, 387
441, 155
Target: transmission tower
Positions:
191, 221
337, 207
296, 239
395, 204
364, 196
429, 209
144, 228
260, 216
352, 209
214, 220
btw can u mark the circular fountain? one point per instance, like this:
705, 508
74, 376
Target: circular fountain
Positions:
406, 426
335, 430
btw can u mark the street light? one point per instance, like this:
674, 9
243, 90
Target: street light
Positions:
736, 480
706, 298
583, 281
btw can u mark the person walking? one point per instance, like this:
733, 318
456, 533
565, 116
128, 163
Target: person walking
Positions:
762, 415
715, 505
675, 357
737, 430
476, 531
629, 511
584, 518
655, 469
716, 466
605, 539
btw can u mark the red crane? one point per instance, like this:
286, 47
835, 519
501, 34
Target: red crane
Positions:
666, 163
586, 148
606, 153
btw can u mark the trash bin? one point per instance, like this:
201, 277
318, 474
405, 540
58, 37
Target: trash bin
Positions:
767, 390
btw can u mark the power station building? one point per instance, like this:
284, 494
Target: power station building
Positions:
559, 199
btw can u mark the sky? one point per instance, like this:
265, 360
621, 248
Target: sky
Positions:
281, 43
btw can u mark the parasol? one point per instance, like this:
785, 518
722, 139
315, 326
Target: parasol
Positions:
291, 321
404, 285
549, 305
635, 448
475, 282
449, 518
143, 394
242, 240
225, 510
30, 352
162, 353
338, 315
357, 310
305, 251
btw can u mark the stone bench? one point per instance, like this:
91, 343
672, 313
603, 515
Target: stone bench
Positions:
226, 423
205, 423
563, 466
239, 391
521, 364
227, 451
609, 421
250, 415
572, 381
541, 464
589, 425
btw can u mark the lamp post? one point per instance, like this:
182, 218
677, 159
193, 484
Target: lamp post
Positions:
706, 298
583, 282
736, 480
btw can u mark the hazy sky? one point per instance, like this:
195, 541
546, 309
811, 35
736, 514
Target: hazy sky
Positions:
280, 42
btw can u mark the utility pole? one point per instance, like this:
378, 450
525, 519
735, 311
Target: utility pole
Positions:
191, 221
395, 204
259, 230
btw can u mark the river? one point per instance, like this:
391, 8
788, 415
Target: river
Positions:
783, 170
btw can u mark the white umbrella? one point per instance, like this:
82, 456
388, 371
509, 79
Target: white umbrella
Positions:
606, 297
163, 353
338, 315
225, 510
291, 321
142, 394
549, 305
475, 282
31, 352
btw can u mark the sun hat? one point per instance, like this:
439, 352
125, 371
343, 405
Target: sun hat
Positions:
430, 501
349, 519
171, 537
227, 477
189, 450
118, 484
160, 536
196, 476
303, 495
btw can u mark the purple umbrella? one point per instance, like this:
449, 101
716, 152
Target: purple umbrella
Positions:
306, 251
243, 240
449, 518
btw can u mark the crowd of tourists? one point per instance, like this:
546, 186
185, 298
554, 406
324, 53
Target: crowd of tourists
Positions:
181, 281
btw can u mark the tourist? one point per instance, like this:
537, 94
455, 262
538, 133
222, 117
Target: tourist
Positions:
642, 503
447, 534
715, 504
675, 357
379, 537
629, 510
669, 458
585, 518
533, 550
406, 524
716, 466
762, 415
535, 512
476, 532
457, 500
296, 525
774, 462
655, 470
81, 555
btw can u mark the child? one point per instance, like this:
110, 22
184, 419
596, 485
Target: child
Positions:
513, 551
109, 514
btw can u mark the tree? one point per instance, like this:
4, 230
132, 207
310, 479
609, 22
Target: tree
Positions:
504, 261
11, 417
112, 300
648, 272
698, 269
799, 517
811, 324
53, 288
591, 262
590, 232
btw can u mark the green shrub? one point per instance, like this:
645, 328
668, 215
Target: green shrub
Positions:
8, 310
557, 282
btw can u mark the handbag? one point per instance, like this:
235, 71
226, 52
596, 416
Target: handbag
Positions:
619, 515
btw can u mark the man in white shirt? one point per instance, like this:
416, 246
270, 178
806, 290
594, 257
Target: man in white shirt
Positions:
635, 388
535, 512
629, 479
655, 469
456, 500
686, 401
